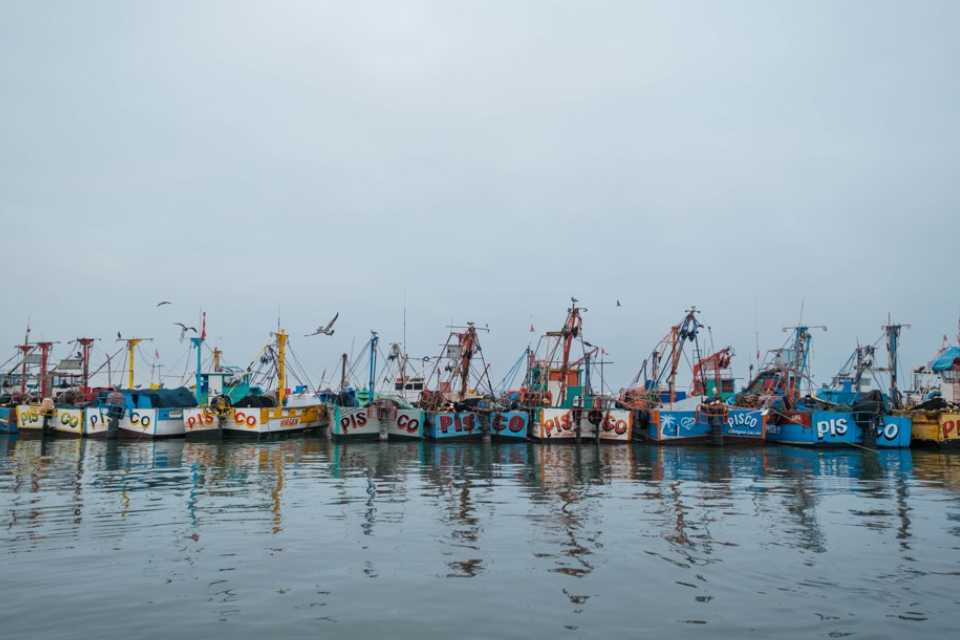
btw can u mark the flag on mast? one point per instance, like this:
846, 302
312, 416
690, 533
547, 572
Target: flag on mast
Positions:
203, 325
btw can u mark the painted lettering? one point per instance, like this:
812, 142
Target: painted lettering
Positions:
617, 426
949, 428
408, 424
834, 427
445, 423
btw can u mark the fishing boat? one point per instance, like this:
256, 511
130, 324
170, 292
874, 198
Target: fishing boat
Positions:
216, 390
936, 412
134, 412
36, 417
777, 388
558, 394
857, 394
64, 401
397, 400
800, 418
666, 414
8, 395
258, 414
364, 413
453, 409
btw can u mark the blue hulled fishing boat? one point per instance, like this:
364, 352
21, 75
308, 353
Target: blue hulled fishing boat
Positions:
844, 414
667, 415
462, 404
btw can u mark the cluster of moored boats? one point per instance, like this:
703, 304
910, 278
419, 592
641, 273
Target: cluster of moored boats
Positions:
558, 397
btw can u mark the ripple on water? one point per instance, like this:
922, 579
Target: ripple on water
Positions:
423, 540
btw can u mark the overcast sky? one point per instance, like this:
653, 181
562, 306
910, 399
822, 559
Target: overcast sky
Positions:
482, 161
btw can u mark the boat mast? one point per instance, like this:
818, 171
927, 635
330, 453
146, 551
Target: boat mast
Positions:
374, 339
131, 349
674, 362
468, 341
25, 350
798, 369
892, 332
571, 329
197, 343
281, 366
86, 346
343, 372
44, 361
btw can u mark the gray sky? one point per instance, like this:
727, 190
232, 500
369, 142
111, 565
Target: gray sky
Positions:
485, 161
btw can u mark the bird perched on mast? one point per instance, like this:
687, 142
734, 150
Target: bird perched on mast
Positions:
325, 330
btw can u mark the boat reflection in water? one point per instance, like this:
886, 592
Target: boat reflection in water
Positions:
784, 540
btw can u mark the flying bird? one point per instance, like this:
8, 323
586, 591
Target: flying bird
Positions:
327, 330
183, 330
163, 302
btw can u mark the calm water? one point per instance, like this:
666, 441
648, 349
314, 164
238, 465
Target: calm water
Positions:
303, 537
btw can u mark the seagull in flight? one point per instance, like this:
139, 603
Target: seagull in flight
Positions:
327, 330
163, 302
183, 330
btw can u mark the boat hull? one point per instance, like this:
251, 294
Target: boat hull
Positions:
742, 426
8, 419
201, 423
936, 429
260, 421
96, 422
407, 425
354, 423
558, 425
895, 432
510, 425
152, 423
676, 427
88, 421
463, 425
816, 429
838, 429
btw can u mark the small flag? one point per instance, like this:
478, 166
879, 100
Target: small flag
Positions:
531, 328
156, 354
203, 326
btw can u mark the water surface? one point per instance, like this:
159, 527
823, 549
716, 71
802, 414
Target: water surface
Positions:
304, 537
